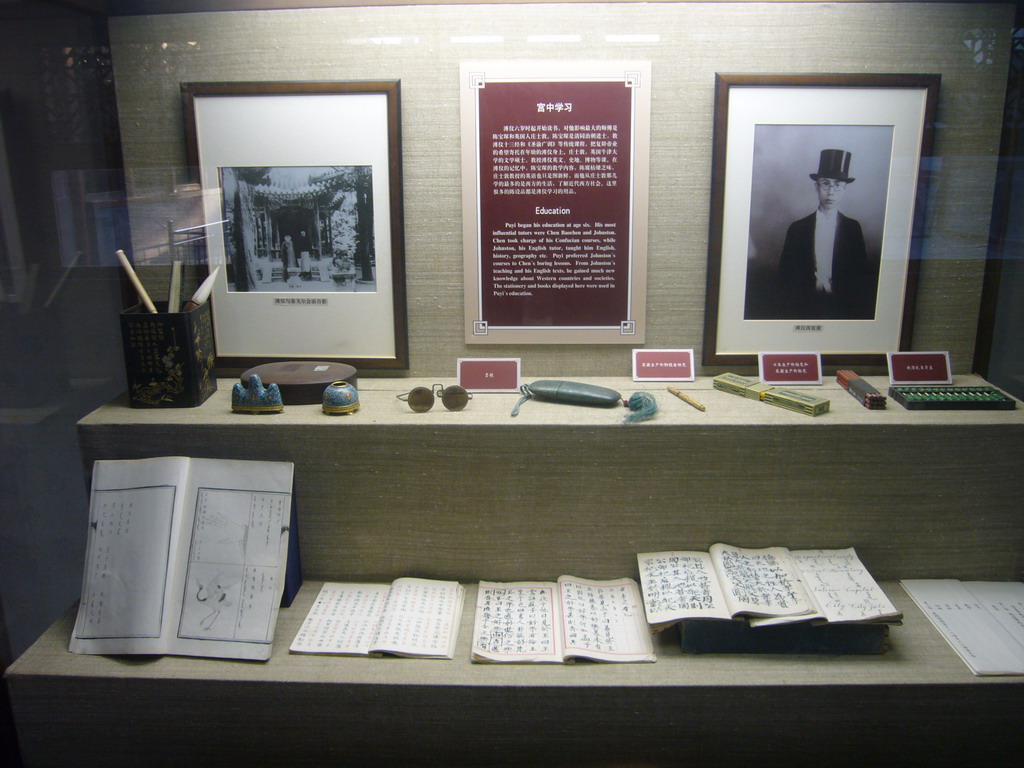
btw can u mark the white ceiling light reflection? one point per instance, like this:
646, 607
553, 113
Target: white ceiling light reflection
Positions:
632, 38
382, 40
554, 38
477, 39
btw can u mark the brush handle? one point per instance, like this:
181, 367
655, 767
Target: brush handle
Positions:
139, 289
687, 399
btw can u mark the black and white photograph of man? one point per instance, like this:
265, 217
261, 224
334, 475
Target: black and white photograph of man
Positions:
818, 198
293, 229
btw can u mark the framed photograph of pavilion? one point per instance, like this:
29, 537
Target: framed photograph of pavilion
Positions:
818, 186
303, 204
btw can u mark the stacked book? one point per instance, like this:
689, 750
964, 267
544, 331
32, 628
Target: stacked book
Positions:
784, 397
735, 384
795, 400
772, 600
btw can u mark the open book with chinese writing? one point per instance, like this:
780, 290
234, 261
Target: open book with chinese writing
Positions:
556, 622
409, 617
185, 556
767, 586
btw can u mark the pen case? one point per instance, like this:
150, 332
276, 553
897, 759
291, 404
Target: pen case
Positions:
570, 392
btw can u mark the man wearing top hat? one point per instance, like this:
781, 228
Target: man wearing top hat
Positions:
823, 270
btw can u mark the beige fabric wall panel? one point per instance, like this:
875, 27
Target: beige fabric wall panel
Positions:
567, 489
687, 43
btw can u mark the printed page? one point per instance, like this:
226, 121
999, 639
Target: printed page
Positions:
760, 582
971, 630
1005, 601
421, 618
680, 585
230, 591
342, 620
604, 620
842, 588
517, 622
134, 516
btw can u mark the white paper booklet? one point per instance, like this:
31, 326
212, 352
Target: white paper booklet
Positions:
720, 584
768, 586
556, 622
184, 556
410, 617
840, 588
983, 621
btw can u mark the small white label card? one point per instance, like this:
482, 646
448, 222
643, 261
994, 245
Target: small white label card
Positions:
789, 368
489, 374
663, 365
920, 368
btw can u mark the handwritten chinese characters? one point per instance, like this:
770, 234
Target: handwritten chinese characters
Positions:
760, 581
768, 586
129, 541
420, 617
517, 621
680, 583
600, 619
411, 617
558, 621
342, 620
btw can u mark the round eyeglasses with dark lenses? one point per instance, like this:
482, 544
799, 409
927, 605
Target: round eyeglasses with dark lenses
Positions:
421, 399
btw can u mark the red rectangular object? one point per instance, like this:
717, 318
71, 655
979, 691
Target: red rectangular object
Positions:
663, 365
790, 368
919, 368
555, 203
489, 374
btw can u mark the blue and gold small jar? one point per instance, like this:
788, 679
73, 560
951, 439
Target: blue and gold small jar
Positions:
340, 397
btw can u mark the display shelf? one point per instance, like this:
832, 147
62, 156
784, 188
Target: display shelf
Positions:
314, 709
380, 406
477, 494
918, 655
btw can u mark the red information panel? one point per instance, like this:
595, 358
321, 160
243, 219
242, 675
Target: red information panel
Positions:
554, 235
790, 368
663, 365
919, 368
491, 374
554, 198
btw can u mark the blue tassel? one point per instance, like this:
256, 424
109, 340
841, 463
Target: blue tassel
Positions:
642, 406
526, 396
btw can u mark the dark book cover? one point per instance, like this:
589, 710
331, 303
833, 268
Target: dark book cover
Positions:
725, 636
293, 569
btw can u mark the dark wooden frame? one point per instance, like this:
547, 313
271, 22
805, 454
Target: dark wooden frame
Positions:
392, 91
723, 83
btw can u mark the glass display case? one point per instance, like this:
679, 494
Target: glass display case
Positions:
94, 158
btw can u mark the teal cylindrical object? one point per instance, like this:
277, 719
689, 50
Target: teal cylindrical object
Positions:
574, 393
